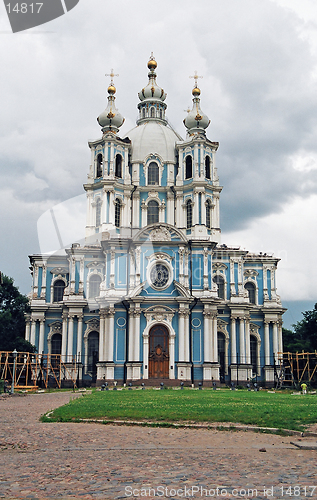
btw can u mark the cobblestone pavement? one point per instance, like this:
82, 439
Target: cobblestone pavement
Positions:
92, 461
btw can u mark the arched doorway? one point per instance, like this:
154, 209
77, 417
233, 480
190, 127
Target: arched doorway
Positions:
158, 352
93, 354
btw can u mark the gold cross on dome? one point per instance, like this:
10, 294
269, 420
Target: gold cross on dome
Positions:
196, 78
111, 74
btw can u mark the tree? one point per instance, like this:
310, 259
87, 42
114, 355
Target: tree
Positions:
304, 336
13, 306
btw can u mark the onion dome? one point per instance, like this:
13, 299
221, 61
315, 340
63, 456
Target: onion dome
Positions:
152, 106
196, 121
110, 119
152, 90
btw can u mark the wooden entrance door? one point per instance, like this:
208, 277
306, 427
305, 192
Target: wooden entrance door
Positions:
158, 352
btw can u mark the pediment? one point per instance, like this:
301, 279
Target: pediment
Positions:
160, 232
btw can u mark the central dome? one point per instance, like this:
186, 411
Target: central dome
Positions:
153, 137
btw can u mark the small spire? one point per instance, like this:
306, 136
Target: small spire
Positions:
111, 76
196, 89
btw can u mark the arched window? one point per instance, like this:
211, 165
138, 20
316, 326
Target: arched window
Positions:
208, 214
56, 343
189, 167
98, 212
118, 168
94, 286
143, 113
99, 165
189, 214
254, 353
153, 174
152, 212
251, 292
117, 212
161, 114
58, 290
152, 112
207, 167
220, 282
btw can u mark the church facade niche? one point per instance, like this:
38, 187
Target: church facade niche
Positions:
152, 293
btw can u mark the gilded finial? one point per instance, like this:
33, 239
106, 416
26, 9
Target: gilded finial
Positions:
111, 88
152, 64
196, 90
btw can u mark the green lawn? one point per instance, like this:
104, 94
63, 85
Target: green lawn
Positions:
281, 410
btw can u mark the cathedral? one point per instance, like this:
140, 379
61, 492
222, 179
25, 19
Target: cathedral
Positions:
152, 295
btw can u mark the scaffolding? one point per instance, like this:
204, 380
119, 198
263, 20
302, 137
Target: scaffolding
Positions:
33, 371
295, 368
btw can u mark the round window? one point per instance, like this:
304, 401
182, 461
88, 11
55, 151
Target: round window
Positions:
159, 275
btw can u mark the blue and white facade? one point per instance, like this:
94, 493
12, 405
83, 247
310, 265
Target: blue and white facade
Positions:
152, 293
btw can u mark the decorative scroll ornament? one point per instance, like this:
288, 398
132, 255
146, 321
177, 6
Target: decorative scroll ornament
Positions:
160, 234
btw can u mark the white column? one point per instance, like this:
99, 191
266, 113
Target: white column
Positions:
33, 331
132, 270
79, 338
112, 267
206, 269
233, 341
196, 208
145, 356
41, 336
267, 342
27, 329
186, 268
111, 208
170, 208
136, 209
137, 266
64, 337
102, 336
70, 338
215, 338
181, 265
131, 335
111, 335
203, 207
181, 336
126, 214
216, 209
136, 350
106, 336
72, 274
242, 341
43, 284
187, 346
275, 340
36, 281
247, 341
172, 357
280, 337
162, 212
89, 221
143, 214
179, 210
207, 336
81, 275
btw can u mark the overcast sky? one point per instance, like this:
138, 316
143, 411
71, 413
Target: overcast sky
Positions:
258, 62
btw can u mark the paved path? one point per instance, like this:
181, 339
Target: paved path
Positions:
91, 461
